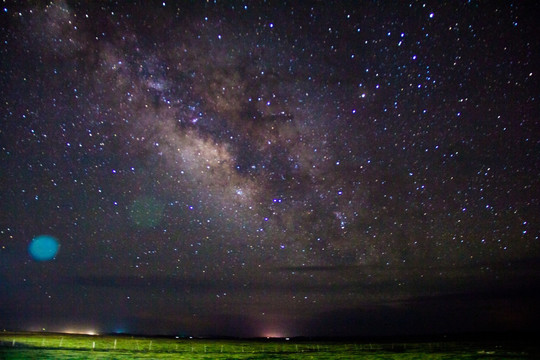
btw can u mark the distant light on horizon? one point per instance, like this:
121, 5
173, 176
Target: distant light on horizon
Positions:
71, 331
274, 334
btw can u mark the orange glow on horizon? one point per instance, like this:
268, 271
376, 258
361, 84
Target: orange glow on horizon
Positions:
274, 334
91, 332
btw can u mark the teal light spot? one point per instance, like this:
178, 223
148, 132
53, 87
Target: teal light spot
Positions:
43, 248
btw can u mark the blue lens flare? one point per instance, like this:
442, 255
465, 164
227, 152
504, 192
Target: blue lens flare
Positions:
43, 248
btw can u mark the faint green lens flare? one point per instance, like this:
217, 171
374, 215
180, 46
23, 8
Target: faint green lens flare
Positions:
146, 212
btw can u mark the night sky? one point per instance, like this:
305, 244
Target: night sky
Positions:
270, 168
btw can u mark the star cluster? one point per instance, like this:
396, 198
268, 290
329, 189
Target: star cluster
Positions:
240, 168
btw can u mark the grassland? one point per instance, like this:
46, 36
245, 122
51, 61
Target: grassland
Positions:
69, 346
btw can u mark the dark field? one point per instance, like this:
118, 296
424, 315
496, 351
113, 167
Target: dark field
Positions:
66, 346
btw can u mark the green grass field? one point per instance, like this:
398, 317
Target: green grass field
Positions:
66, 346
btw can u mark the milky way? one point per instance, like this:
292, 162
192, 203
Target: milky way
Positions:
254, 169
